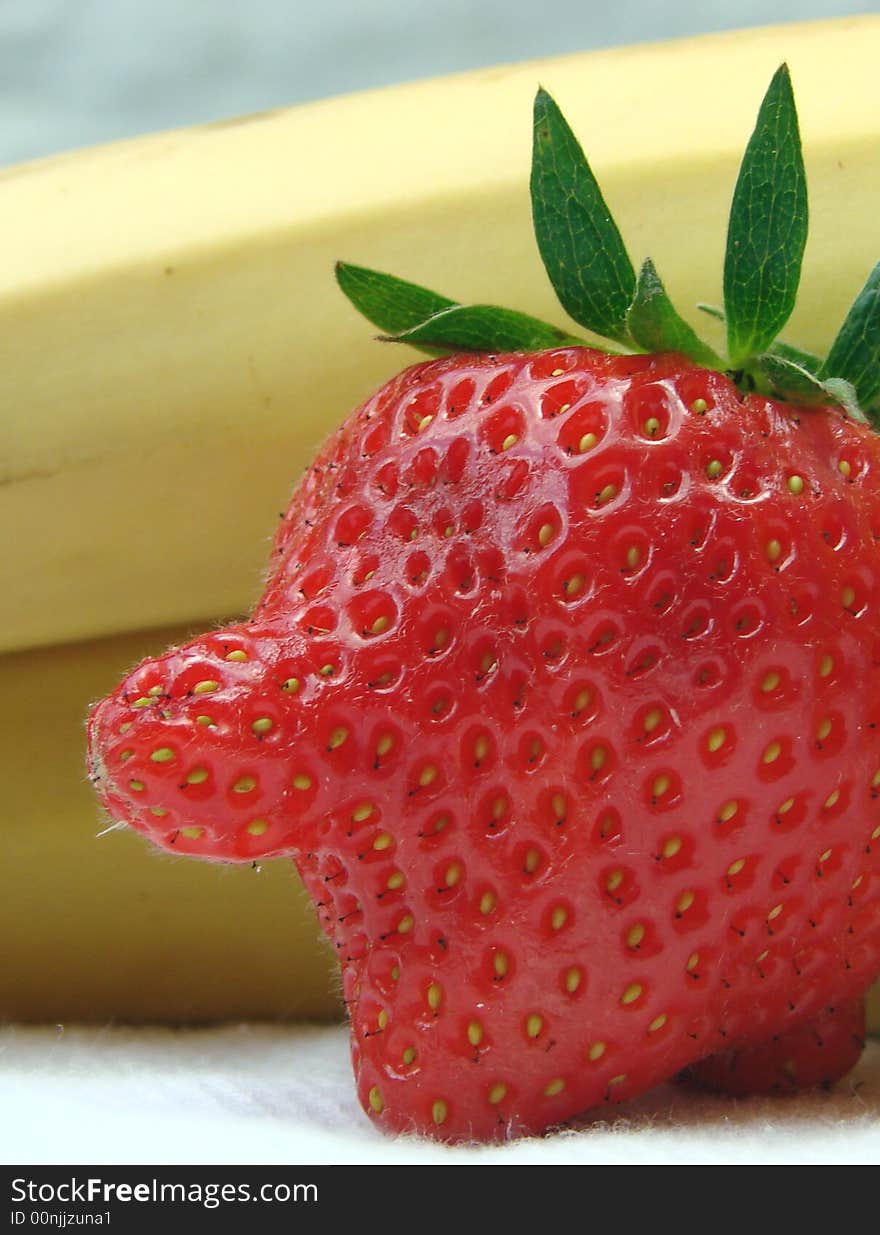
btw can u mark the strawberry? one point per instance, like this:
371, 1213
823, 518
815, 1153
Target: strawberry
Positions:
550, 691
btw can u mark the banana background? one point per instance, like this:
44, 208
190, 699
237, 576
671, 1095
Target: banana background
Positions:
173, 348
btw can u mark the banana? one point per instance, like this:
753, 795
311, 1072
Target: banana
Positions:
173, 349
173, 344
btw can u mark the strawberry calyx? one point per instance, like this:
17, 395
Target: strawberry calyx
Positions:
598, 287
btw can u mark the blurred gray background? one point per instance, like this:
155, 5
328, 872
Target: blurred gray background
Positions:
77, 72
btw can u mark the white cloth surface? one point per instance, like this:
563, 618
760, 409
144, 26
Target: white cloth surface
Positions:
267, 1094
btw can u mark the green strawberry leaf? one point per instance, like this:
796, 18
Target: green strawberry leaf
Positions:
790, 380
655, 325
578, 240
767, 231
483, 328
388, 302
855, 353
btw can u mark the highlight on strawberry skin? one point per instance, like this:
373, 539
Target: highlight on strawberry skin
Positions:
563, 692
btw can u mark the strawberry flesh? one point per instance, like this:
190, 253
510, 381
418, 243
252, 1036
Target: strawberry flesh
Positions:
563, 695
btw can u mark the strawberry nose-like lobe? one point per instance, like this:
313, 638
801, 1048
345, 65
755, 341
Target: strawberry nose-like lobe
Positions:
198, 748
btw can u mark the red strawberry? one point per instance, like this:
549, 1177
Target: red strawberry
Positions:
813, 1054
550, 696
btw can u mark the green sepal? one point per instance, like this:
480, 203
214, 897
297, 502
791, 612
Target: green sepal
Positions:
484, 328
792, 381
767, 231
711, 310
806, 360
390, 303
408, 313
593, 277
655, 325
579, 242
843, 392
855, 353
